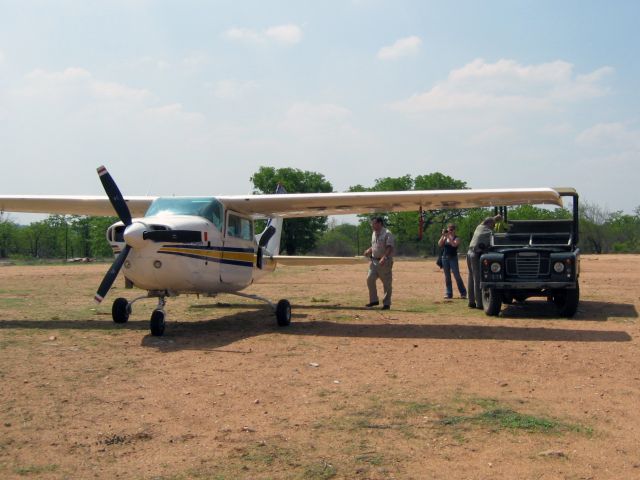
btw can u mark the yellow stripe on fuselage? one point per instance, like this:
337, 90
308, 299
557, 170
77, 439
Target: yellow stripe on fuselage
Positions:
213, 254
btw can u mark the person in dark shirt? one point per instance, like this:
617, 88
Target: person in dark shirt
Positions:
449, 243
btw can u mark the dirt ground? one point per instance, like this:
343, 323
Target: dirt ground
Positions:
427, 390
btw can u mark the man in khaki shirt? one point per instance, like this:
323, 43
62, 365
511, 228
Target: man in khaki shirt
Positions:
479, 244
381, 254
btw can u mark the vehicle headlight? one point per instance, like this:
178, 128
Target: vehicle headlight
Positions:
496, 267
558, 267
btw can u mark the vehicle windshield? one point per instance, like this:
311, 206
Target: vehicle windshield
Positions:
205, 207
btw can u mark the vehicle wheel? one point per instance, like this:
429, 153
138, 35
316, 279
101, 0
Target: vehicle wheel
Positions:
491, 302
120, 310
157, 323
567, 301
283, 313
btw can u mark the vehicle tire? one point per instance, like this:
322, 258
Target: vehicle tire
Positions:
567, 301
491, 302
157, 323
283, 313
120, 310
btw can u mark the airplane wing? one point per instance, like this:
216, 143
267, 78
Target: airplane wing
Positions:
71, 205
295, 261
299, 204
322, 204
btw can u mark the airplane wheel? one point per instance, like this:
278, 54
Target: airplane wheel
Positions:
157, 323
283, 313
120, 310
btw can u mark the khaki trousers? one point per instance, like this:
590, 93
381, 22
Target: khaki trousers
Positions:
384, 273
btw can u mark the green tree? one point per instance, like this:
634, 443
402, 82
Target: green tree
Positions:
299, 235
404, 225
344, 240
593, 229
8, 236
99, 246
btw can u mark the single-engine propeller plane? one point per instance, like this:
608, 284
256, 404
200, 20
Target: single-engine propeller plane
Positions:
207, 245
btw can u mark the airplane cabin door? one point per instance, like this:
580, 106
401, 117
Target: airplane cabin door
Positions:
238, 250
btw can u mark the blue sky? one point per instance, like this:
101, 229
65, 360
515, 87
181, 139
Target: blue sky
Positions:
191, 97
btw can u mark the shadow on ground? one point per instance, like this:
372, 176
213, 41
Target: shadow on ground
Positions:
226, 330
588, 310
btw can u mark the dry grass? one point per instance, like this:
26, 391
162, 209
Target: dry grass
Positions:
430, 389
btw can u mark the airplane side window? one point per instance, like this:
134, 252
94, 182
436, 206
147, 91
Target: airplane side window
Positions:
233, 226
246, 232
239, 227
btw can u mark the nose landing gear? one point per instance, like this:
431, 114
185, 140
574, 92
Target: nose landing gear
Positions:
121, 309
157, 319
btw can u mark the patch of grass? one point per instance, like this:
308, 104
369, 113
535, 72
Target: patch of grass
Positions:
418, 306
35, 469
11, 302
320, 471
411, 408
266, 455
499, 417
319, 300
372, 458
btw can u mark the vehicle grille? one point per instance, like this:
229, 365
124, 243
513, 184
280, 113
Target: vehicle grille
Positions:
527, 265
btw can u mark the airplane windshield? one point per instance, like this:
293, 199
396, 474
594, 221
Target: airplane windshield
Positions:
205, 207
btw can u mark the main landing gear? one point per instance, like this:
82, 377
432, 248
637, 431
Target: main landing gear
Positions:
282, 309
121, 309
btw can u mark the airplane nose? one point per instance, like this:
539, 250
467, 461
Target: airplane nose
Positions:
133, 235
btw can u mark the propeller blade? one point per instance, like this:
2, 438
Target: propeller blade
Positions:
180, 236
111, 275
119, 205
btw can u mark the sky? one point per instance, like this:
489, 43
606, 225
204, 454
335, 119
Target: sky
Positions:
192, 97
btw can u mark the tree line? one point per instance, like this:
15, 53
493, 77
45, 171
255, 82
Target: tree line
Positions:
64, 236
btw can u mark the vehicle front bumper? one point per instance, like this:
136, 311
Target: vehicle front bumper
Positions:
528, 285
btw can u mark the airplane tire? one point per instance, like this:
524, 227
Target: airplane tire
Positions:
283, 313
120, 310
157, 323
491, 302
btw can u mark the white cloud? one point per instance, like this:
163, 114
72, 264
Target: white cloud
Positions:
243, 35
232, 89
401, 48
316, 120
288, 34
610, 135
76, 82
196, 60
508, 86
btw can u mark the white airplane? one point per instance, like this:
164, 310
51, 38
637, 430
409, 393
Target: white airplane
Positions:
207, 245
